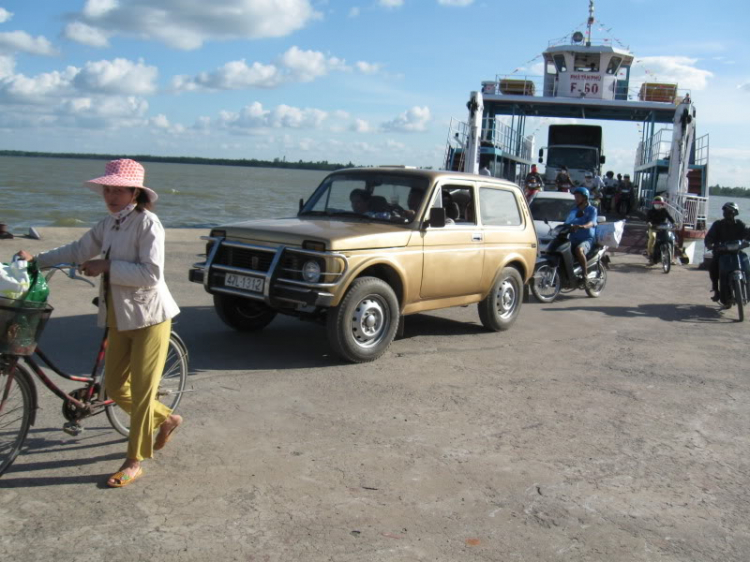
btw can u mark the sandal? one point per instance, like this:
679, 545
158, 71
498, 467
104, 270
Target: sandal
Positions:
162, 440
121, 479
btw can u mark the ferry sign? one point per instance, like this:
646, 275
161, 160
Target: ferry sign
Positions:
586, 85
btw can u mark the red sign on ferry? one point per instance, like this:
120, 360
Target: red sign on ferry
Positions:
586, 84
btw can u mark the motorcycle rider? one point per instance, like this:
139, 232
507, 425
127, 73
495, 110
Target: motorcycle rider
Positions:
532, 177
583, 226
625, 185
724, 230
595, 185
656, 215
562, 179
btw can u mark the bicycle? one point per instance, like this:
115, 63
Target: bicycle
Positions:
18, 395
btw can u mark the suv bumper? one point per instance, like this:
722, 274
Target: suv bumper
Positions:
269, 278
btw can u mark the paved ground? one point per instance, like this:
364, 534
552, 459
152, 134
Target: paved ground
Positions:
610, 429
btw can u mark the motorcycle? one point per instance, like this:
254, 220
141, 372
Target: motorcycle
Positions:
623, 203
607, 199
557, 269
664, 246
734, 286
533, 186
565, 186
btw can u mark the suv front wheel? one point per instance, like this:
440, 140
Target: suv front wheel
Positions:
243, 315
500, 308
363, 325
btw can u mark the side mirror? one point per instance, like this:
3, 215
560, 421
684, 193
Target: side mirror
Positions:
301, 203
437, 217
602, 159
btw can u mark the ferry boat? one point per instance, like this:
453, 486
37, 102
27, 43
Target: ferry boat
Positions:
584, 79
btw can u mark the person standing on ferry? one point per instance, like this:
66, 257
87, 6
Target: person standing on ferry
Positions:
126, 249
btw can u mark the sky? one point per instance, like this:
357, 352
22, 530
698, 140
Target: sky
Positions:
369, 82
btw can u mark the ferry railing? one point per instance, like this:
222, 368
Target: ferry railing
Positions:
457, 135
501, 136
688, 210
701, 150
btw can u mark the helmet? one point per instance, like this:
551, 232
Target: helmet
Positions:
658, 199
588, 175
733, 206
582, 190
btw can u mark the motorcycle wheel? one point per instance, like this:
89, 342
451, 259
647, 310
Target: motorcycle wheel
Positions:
738, 299
596, 281
546, 284
666, 258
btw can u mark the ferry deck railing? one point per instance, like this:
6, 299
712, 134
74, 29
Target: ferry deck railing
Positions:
689, 211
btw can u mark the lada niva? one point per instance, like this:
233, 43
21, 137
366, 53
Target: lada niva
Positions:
371, 246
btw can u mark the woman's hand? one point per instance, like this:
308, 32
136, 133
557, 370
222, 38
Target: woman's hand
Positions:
94, 268
24, 255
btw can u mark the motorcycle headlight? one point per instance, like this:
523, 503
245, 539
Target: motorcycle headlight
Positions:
311, 271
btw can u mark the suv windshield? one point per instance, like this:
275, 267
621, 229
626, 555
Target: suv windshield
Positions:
544, 209
368, 196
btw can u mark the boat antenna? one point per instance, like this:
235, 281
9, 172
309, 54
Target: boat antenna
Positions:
590, 23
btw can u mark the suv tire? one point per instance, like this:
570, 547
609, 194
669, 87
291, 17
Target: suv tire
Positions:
500, 308
244, 315
363, 325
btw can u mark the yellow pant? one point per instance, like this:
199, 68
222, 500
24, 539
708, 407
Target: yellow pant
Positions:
651, 242
133, 367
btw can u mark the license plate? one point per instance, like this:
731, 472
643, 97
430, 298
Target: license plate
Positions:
254, 284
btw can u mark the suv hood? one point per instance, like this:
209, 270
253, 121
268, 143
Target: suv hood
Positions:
337, 235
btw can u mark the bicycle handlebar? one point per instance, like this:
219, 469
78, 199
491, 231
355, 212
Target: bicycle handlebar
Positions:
70, 269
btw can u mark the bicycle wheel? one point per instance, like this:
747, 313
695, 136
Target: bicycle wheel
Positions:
666, 258
15, 415
738, 299
172, 383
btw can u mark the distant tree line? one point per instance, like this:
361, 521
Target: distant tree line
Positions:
253, 163
729, 191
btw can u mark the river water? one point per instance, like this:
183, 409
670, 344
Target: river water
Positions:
49, 192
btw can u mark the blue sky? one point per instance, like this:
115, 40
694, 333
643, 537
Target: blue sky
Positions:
371, 82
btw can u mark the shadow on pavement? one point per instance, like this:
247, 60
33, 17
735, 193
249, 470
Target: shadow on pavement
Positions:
670, 312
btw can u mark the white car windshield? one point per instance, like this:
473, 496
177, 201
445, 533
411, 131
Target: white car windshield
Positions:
552, 210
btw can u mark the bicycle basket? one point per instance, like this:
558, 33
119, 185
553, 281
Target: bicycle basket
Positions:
21, 324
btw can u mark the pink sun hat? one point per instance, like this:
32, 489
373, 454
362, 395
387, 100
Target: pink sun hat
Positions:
122, 173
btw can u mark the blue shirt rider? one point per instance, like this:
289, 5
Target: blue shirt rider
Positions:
583, 225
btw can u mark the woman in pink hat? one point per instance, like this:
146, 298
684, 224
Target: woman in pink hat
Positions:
127, 249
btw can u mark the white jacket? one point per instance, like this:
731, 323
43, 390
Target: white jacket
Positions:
136, 275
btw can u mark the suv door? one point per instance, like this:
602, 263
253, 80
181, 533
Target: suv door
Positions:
454, 254
505, 223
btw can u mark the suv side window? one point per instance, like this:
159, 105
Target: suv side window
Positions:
458, 202
499, 207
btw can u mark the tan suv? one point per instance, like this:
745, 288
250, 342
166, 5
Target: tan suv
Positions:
371, 246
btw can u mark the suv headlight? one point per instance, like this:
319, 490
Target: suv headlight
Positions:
311, 271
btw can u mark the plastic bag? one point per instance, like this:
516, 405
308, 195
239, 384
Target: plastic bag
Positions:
38, 289
14, 279
610, 233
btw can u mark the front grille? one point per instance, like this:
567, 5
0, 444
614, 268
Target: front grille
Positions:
245, 258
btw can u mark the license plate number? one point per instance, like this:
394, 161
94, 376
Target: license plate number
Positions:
254, 284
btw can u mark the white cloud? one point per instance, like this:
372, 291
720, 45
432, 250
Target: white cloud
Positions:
5, 15
98, 8
354, 12
20, 89
85, 34
254, 116
22, 41
680, 70
295, 65
413, 120
235, 75
118, 76
361, 126
187, 25
455, 2
391, 3
367, 67
744, 87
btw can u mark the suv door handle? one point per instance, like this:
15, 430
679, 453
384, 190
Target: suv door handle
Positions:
476, 236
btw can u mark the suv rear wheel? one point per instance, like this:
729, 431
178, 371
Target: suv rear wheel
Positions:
500, 308
363, 325
244, 315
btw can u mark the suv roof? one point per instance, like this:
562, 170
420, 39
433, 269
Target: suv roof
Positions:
433, 175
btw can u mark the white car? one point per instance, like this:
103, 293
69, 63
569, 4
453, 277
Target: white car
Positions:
549, 209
